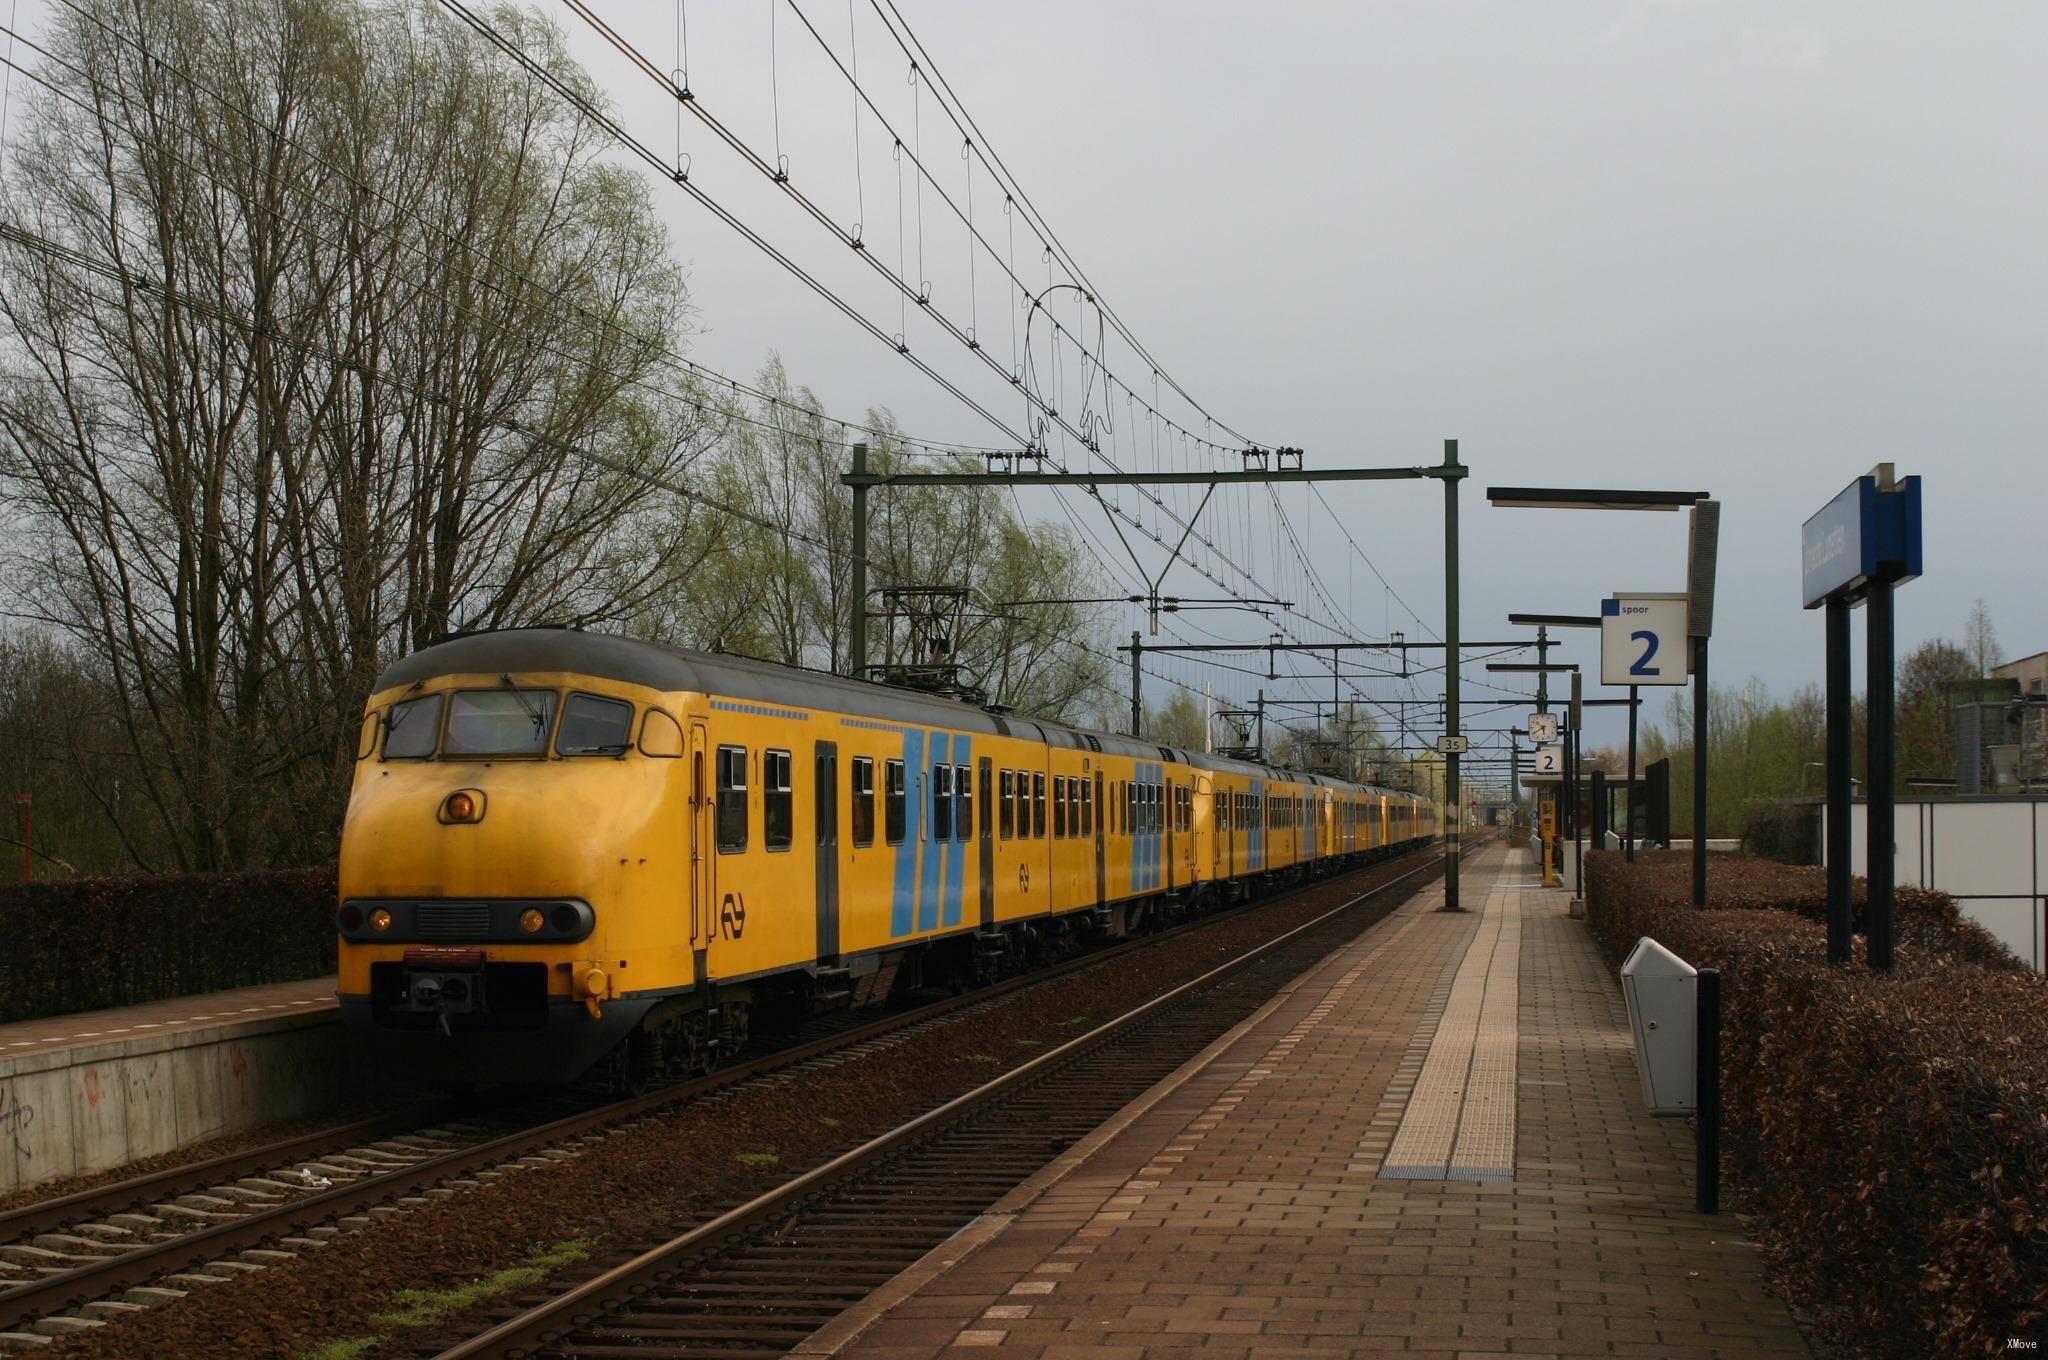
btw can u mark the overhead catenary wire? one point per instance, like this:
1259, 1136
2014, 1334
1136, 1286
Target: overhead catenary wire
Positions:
898, 278
723, 412
1089, 365
489, 277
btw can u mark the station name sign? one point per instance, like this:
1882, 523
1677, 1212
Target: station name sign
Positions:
1862, 531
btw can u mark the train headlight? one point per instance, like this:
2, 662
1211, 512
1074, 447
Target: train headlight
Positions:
565, 919
463, 805
531, 920
351, 920
380, 919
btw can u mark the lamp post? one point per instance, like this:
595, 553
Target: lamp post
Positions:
1703, 543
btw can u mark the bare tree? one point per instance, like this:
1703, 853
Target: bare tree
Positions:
323, 336
1980, 640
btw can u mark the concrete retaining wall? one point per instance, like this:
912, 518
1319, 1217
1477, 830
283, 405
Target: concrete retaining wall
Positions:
101, 1105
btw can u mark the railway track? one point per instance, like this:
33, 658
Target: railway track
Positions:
70, 1263
758, 1279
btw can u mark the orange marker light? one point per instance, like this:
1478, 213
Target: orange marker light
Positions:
380, 919
460, 807
531, 920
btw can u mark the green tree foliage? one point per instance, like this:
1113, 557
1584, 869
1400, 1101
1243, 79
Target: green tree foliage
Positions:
1177, 722
779, 582
1761, 750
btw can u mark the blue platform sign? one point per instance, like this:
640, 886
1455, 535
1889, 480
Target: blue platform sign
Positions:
1860, 533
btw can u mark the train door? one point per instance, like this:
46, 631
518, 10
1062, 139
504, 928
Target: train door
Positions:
826, 803
1101, 815
985, 834
703, 856
1169, 791
1230, 837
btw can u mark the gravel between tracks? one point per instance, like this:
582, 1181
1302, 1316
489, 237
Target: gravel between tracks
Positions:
645, 1181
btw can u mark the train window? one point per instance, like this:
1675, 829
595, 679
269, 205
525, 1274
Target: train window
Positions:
499, 722
1087, 807
1007, 820
1038, 805
1059, 807
660, 736
777, 812
732, 799
861, 783
893, 816
1131, 823
413, 728
941, 828
963, 802
594, 727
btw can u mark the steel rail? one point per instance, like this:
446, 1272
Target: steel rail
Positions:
54, 1293
51, 1215
548, 1323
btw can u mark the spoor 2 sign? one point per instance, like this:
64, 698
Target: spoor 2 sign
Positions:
1643, 639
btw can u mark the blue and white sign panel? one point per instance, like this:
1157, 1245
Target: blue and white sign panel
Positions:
1857, 534
1643, 639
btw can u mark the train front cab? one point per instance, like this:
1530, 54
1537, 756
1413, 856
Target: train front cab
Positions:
481, 911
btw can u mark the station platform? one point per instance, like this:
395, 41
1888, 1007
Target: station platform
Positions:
101, 1089
1432, 1144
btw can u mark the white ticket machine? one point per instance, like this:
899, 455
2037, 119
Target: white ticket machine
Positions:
1663, 1012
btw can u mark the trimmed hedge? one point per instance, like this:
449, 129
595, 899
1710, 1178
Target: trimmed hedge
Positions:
89, 943
1892, 1132
1787, 832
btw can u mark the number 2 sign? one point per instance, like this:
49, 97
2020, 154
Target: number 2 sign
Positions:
1643, 639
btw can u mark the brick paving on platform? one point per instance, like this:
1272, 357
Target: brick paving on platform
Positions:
1246, 1206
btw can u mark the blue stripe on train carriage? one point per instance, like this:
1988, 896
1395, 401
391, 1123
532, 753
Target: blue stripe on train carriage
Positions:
1153, 822
1141, 843
903, 906
931, 875
963, 836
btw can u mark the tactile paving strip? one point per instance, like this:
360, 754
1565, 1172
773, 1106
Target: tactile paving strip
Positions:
1460, 1121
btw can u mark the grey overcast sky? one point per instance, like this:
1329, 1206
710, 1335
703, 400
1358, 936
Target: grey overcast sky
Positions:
1751, 249
1746, 248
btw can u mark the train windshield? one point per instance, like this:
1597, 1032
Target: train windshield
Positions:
412, 728
499, 722
594, 727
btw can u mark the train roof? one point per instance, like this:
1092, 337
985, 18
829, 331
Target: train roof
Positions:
655, 665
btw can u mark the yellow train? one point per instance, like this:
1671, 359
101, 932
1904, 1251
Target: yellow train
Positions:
566, 850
